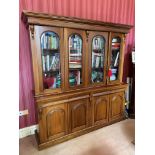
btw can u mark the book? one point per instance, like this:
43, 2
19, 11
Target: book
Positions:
42, 41
43, 62
102, 60
75, 43
51, 41
116, 60
48, 42
113, 77
75, 65
48, 62
95, 43
52, 46
114, 40
78, 77
97, 63
99, 43
54, 42
44, 38
92, 59
97, 60
52, 62
75, 54
116, 44
75, 62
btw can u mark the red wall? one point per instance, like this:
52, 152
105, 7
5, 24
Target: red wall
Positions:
116, 11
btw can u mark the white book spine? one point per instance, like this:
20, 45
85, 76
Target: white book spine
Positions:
45, 41
102, 60
116, 60
54, 84
97, 62
54, 42
78, 77
43, 62
47, 62
42, 41
93, 59
51, 42
99, 42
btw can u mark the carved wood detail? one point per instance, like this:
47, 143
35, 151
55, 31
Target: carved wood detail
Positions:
31, 27
55, 122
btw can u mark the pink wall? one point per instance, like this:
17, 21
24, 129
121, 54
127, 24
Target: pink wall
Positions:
116, 11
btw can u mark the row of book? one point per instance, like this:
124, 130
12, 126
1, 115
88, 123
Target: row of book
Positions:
97, 76
97, 60
51, 62
75, 59
115, 46
75, 77
49, 40
75, 44
116, 40
98, 43
113, 77
52, 82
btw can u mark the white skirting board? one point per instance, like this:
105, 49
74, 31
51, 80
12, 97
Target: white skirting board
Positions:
27, 131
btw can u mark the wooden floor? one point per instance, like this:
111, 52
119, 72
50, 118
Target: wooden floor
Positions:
115, 139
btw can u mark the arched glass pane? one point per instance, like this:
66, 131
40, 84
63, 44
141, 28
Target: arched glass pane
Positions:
115, 54
50, 60
98, 49
75, 60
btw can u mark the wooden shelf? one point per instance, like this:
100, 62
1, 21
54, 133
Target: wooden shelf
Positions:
98, 50
46, 72
99, 68
48, 50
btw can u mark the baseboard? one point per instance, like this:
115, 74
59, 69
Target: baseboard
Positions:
27, 131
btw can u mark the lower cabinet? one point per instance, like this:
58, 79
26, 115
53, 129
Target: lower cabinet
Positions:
78, 115
100, 109
53, 122
116, 101
75, 115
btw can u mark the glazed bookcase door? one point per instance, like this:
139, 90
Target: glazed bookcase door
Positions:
98, 42
115, 61
50, 60
75, 58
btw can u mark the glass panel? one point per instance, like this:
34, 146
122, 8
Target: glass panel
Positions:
75, 60
50, 60
98, 48
114, 66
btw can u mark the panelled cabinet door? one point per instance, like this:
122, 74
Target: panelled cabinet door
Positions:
100, 109
75, 52
98, 43
78, 114
116, 106
48, 54
53, 122
116, 58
